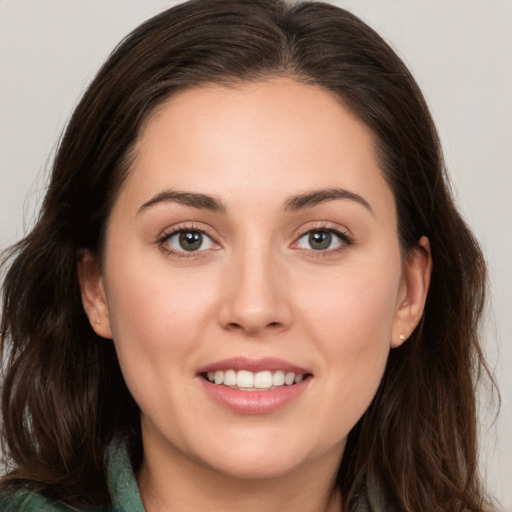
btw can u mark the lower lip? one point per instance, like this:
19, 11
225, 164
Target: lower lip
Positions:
254, 402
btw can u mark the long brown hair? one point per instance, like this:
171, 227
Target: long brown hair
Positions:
64, 397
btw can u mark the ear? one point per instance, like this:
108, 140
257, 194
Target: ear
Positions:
413, 292
94, 298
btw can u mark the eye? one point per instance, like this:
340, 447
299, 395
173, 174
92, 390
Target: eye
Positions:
322, 240
188, 240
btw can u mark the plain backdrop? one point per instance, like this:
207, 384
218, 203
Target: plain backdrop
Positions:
460, 51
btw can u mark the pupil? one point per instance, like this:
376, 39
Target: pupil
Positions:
320, 240
191, 240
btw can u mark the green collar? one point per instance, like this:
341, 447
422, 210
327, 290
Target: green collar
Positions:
123, 486
123, 489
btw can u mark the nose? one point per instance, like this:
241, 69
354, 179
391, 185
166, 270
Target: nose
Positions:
255, 298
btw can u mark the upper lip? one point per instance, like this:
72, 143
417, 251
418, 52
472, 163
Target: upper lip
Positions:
253, 365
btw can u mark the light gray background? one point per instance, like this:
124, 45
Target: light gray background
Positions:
459, 50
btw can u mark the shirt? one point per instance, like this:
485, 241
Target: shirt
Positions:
121, 480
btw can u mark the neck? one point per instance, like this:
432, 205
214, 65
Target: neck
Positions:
170, 481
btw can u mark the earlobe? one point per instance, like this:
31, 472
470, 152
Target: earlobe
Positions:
413, 292
94, 298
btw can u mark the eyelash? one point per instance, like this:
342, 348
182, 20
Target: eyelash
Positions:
345, 240
162, 241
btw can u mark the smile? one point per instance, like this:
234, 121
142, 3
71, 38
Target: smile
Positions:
275, 384
246, 380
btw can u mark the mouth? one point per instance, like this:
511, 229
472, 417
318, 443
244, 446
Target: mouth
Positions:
246, 380
254, 386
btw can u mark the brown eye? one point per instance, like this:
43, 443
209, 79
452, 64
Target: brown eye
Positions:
320, 240
188, 240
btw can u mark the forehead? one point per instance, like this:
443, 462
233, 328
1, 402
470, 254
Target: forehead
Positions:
277, 136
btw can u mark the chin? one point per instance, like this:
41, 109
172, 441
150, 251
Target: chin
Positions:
260, 467
269, 457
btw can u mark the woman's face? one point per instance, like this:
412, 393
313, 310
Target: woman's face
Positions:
254, 241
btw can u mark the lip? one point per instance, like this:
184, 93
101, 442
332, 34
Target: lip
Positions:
254, 402
253, 365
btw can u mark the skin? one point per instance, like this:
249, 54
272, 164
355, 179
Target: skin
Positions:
257, 289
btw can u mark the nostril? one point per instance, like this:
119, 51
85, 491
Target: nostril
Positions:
252, 329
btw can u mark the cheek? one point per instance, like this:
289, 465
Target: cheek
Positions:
354, 308
151, 297
351, 321
157, 317
159, 320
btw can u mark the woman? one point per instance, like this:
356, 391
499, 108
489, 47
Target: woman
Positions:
249, 285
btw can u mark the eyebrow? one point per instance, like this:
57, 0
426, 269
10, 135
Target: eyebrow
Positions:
315, 197
196, 200
298, 202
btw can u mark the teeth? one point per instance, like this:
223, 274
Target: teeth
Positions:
278, 378
289, 378
247, 380
263, 380
244, 379
230, 378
